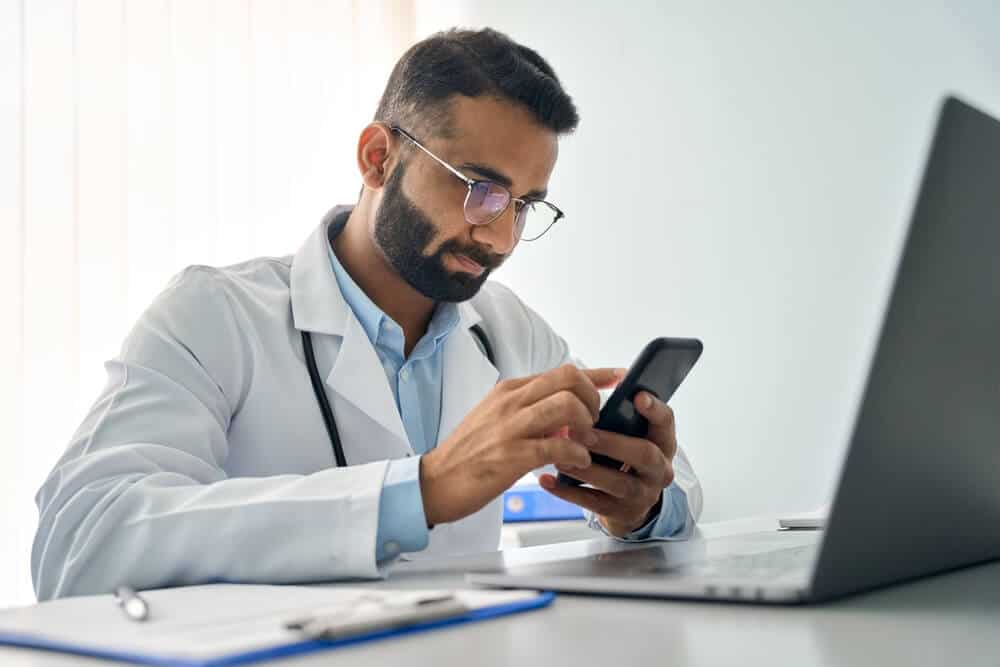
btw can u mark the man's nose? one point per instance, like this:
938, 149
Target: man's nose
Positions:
501, 234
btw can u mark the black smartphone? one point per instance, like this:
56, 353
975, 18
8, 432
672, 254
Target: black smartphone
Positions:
659, 369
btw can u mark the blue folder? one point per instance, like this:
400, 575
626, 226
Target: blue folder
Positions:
31, 640
532, 503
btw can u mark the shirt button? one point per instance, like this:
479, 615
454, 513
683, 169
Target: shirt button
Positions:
405, 374
391, 547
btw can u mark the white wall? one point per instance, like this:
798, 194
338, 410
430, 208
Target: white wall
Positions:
742, 173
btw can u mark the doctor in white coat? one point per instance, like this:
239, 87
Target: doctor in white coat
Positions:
206, 457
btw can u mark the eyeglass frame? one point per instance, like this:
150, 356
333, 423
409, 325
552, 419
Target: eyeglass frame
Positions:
472, 182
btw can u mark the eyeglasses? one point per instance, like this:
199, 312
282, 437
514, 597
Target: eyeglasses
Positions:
486, 201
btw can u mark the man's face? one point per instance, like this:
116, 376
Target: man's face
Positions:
420, 223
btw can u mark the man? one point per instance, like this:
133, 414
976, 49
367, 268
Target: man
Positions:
206, 457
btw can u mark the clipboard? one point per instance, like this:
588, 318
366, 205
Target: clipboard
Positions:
220, 625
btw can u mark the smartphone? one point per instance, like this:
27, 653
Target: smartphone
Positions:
659, 369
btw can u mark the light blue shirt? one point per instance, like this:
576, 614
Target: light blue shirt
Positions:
416, 385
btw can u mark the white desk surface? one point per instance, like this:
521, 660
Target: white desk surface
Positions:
943, 620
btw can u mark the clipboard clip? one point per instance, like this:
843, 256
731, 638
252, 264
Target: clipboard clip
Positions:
373, 612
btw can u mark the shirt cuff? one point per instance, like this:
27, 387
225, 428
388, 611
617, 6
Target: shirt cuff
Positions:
402, 526
672, 518
670, 522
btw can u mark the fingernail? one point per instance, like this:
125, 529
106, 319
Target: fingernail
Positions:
645, 401
620, 372
591, 438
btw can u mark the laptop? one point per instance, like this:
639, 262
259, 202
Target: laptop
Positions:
919, 490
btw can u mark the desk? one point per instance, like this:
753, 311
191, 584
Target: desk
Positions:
944, 620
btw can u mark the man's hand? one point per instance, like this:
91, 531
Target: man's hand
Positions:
625, 500
510, 433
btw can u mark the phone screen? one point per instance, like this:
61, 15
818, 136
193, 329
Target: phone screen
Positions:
660, 370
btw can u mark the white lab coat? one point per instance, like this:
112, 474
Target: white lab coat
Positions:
206, 458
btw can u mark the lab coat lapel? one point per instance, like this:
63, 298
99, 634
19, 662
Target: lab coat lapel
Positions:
467, 374
356, 375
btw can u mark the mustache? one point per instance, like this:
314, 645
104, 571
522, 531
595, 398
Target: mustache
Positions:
483, 258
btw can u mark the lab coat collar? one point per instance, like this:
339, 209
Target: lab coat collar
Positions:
317, 303
357, 374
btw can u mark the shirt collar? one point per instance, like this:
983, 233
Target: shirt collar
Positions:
444, 320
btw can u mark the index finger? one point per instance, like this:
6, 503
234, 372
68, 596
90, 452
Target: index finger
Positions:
603, 378
584, 382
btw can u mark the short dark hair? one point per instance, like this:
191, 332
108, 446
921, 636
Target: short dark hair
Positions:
472, 63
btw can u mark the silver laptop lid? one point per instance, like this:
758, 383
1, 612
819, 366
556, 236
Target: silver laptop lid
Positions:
920, 487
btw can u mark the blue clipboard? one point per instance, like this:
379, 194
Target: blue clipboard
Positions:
27, 640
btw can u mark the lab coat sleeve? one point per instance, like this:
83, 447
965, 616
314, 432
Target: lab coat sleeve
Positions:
549, 350
140, 496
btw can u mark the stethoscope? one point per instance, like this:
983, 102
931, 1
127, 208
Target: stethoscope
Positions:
324, 403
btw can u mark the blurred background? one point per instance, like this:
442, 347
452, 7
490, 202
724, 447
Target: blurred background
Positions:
742, 173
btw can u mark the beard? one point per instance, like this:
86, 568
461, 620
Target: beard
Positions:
403, 233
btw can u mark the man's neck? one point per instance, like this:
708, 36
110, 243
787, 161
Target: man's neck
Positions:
364, 262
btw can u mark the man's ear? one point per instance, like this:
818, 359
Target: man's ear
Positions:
374, 147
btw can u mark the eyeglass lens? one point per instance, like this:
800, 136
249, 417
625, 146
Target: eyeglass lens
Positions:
486, 201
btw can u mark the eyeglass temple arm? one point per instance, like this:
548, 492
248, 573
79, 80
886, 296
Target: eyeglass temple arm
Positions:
465, 179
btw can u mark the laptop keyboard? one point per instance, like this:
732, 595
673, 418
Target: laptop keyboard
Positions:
764, 565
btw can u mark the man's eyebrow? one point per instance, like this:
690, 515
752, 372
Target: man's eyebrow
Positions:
492, 174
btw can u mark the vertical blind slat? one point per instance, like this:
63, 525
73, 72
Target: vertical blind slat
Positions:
51, 340
11, 291
150, 204
101, 229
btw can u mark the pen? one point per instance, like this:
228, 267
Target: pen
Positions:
131, 603
396, 611
387, 617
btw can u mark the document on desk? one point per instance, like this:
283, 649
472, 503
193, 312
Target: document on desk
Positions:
812, 520
232, 624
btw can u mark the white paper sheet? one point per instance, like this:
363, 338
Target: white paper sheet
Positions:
203, 622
